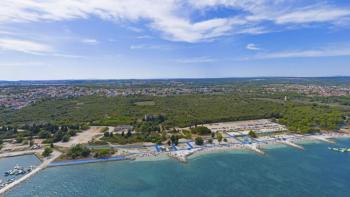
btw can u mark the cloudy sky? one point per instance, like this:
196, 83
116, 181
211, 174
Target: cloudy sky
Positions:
115, 39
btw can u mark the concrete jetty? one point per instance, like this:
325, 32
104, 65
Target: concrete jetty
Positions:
19, 153
181, 155
289, 143
323, 139
42, 166
254, 148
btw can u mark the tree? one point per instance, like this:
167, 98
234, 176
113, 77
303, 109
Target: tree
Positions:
103, 153
106, 134
72, 132
58, 136
31, 143
128, 134
65, 138
200, 130
47, 152
174, 139
19, 139
199, 141
219, 137
78, 151
210, 141
252, 134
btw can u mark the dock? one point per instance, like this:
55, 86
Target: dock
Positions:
291, 144
323, 139
254, 148
19, 153
86, 161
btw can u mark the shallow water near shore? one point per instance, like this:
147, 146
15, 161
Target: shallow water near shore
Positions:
316, 171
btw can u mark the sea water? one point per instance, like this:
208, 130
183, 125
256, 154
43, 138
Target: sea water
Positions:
10, 162
315, 171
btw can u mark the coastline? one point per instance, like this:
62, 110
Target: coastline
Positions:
180, 156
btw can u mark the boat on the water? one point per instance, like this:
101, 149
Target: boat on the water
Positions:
18, 170
342, 150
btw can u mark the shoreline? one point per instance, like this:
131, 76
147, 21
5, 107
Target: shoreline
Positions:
180, 155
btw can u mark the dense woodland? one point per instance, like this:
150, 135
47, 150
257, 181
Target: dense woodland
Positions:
58, 120
179, 110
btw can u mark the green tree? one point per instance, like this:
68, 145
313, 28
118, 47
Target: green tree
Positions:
174, 139
65, 138
252, 134
47, 152
199, 141
219, 137
78, 151
200, 130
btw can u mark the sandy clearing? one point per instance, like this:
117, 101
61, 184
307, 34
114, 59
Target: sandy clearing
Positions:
83, 137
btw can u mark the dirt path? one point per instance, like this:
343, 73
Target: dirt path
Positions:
83, 137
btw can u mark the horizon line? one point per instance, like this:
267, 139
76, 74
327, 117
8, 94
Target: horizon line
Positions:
175, 78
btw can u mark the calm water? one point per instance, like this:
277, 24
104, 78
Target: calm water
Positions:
8, 163
282, 172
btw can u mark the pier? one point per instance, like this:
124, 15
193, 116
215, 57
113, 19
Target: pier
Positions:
291, 144
322, 138
20, 153
254, 148
86, 161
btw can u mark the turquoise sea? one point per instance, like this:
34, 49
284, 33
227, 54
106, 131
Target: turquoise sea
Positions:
316, 171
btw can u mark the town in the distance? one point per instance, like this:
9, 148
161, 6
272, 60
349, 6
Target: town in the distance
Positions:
78, 122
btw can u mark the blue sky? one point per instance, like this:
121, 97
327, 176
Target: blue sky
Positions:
116, 39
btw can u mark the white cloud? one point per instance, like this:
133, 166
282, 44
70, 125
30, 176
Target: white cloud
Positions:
194, 60
32, 47
146, 46
314, 14
167, 16
252, 47
323, 52
25, 46
90, 41
21, 64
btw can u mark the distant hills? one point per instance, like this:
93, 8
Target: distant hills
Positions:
186, 81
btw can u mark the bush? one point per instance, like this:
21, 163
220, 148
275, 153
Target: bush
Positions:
199, 141
187, 133
44, 134
219, 137
47, 152
65, 138
19, 139
78, 151
252, 134
201, 130
103, 153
